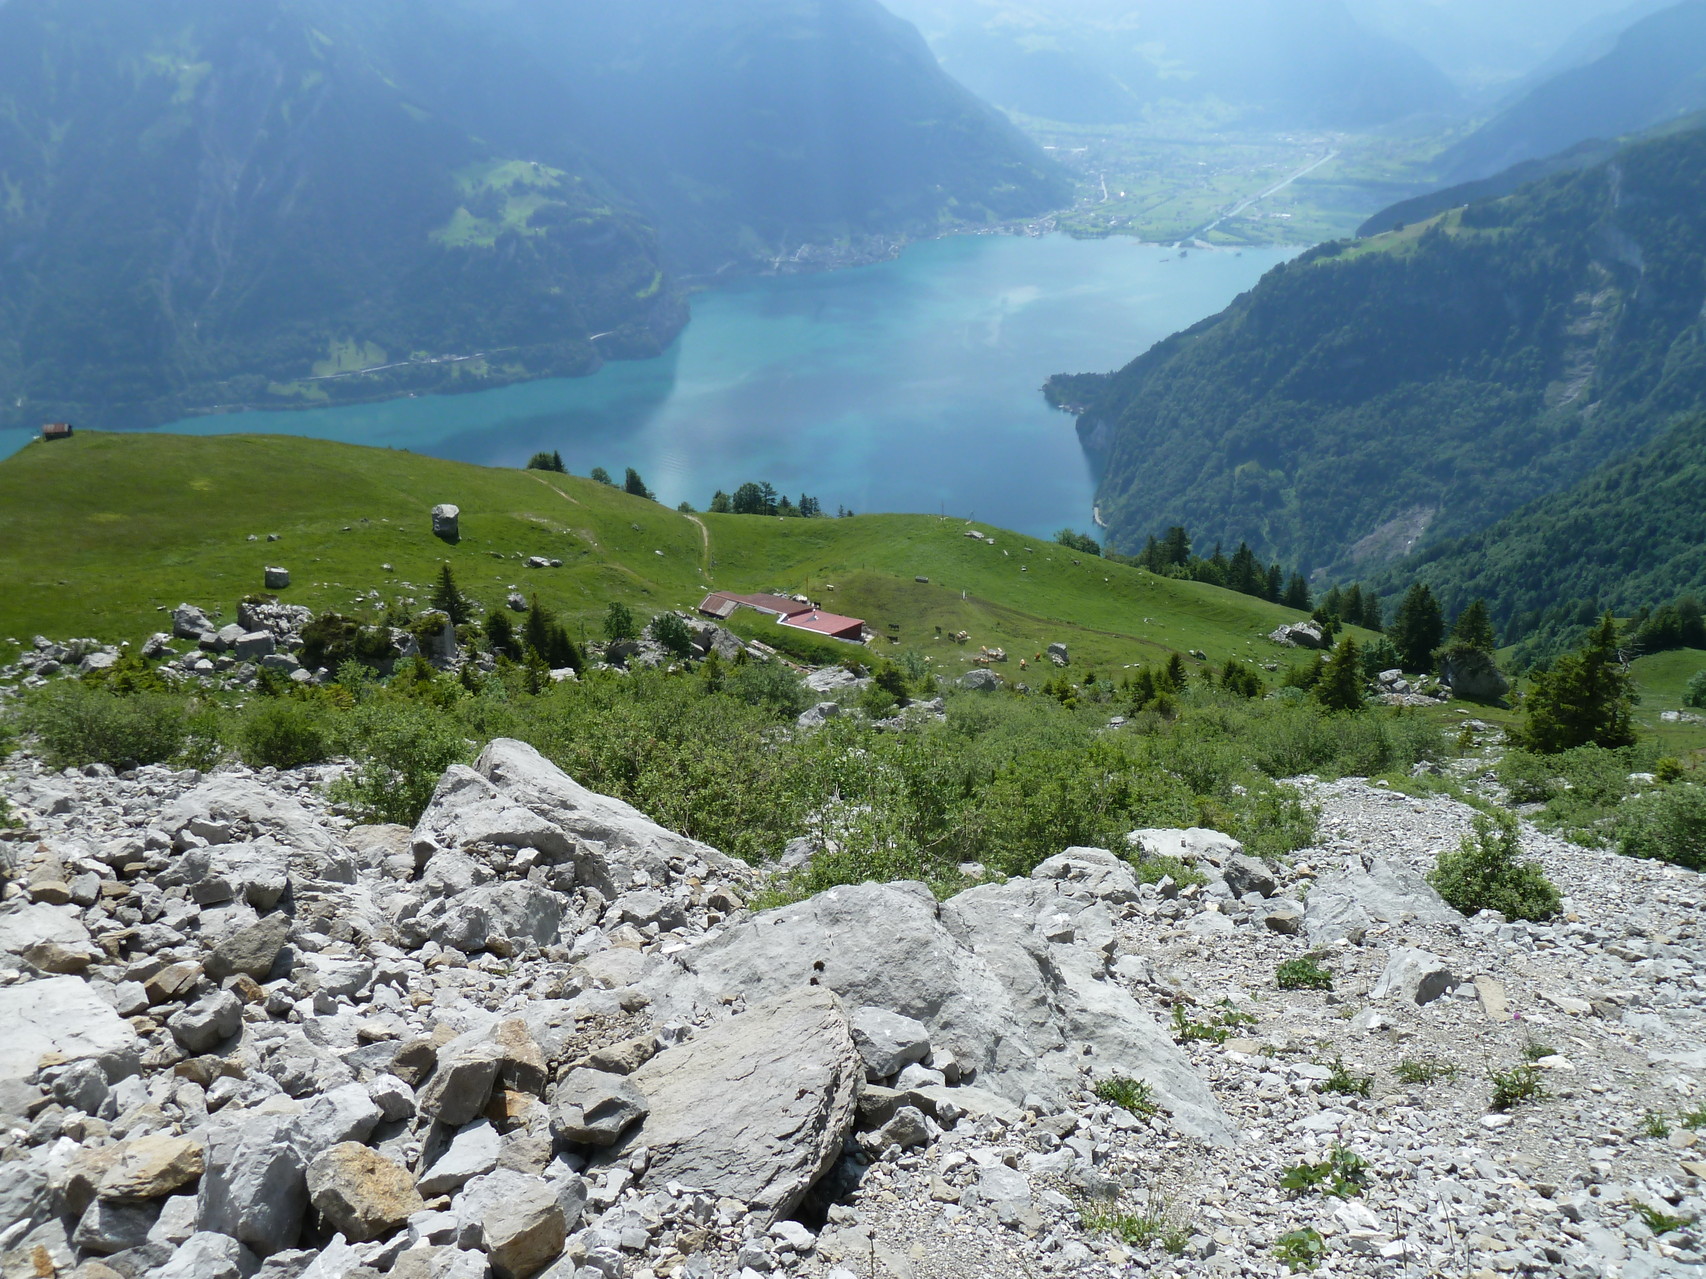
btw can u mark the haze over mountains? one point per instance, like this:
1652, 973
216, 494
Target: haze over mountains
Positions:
1272, 62
207, 204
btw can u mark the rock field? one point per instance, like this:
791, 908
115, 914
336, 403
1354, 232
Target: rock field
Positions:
540, 1035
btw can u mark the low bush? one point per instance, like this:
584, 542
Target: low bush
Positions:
1341, 1079
1154, 1224
279, 732
1302, 974
400, 749
1423, 1070
1516, 1087
1667, 825
1134, 1095
76, 724
1303, 1249
1485, 873
1342, 1175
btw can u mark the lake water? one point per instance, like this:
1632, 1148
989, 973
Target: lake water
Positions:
911, 385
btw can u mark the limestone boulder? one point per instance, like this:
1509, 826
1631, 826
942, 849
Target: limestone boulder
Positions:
1346, 902
755, 1107
1416, 976
360, 1192
150, 1167
228, 809
596, 1107
63, 1018
251, 951
1010, 979
254, 1190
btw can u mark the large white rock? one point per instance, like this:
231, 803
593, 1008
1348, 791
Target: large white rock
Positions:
756, 1107
528, 802
255, 1189
1193, 844
62, 1017
229, 809
23, 924
1361, 895
1012, 979
1415, 975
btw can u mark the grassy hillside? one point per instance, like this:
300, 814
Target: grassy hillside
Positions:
100, 533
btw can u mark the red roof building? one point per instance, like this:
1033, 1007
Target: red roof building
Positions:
56, 431
833, 625
787, 612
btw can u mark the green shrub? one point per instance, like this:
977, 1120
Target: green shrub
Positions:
400, 748
76, 724
279, 732
1514, 1087
1423, 1070
1655, 1125
770, 685
1342, 1079
1303, 974
1343, 1174
1667, 825
1695, 692
1485, 874
669, 630
1134, 1095
1303, 1249
1529, 778
1661, 1222
1695, 1119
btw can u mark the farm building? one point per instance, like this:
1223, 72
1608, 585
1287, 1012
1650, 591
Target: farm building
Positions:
56, 431
796, 613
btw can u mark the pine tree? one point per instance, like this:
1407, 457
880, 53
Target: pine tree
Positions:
1474, 628
619, 623
635, 485
1340, 685
1587, 698
1372, 620
1175, 548
447, 599
500, 635
1174, 679
1274, 588
1417, 629
1297, 593
1334, 605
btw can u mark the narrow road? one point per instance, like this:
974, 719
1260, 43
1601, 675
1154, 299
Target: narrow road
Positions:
1305, 171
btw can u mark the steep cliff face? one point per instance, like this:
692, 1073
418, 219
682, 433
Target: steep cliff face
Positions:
1464, 367
296, 202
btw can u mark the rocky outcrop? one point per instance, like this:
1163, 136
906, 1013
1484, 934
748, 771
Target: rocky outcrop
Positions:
755, 1108
1012, 981
284, 1054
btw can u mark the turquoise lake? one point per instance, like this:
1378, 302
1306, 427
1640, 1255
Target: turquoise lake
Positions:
911, 385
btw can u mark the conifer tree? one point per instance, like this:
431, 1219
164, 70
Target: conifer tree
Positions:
1175, 548
446, 598
1474, 628
1587, 698
1297, 593
1340, 685
1175, 677
1417, 629
500, 635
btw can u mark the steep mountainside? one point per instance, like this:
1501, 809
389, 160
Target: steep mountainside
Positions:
1624, 538
1374, 397
1655, 72
1279, 63
210, 205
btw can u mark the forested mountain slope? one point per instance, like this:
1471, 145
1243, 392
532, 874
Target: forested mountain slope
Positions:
1627, 537
1377, 397
1655, 72
207, 205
